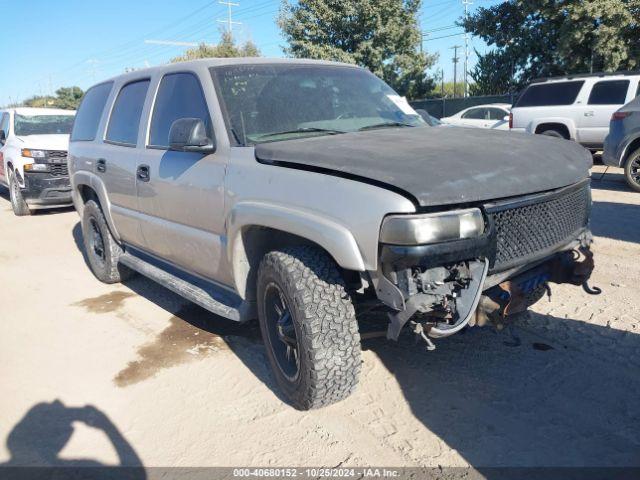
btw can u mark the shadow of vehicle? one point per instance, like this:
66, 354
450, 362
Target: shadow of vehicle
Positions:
567, 396
37, 440
611, 180
617, 221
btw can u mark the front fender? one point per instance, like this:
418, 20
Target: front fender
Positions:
335, 238
94, 182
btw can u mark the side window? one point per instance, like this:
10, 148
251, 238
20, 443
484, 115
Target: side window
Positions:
475, 114
609, 92
4, 123
85, 126
179, 96
127, 110
550, 94
497, 114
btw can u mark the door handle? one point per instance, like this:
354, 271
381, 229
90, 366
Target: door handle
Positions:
101, 165
589, 114
143, 173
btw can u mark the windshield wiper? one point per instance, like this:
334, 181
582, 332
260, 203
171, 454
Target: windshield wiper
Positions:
385, 125
329, 131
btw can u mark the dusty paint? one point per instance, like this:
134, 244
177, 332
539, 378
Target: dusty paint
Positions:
109, 302
192, 333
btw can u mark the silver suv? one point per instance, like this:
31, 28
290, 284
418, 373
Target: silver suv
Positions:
299, 192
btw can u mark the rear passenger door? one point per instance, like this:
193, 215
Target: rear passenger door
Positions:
181, 194
475, 117
606, 97
118, 159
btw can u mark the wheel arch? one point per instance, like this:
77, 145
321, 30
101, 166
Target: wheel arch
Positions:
559, 126
631, 147
255, 229
87, 186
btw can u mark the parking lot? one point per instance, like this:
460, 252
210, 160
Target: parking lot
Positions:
145, 378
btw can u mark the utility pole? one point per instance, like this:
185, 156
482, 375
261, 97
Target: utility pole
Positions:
466, 4
230, 23
442, 82
455, 68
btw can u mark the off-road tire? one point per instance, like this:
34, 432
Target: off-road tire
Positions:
18, 204
106, 268
325, 324
632, 163
553, 133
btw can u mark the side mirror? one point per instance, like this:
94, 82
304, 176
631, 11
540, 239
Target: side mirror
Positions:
3, 137
505, 118
190, 135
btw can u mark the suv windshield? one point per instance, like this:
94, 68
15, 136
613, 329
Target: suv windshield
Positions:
265, 103
42, 124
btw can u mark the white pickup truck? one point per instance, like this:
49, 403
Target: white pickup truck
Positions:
575, 107
33, 157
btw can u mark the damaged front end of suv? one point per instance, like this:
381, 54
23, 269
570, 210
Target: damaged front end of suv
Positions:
443, 271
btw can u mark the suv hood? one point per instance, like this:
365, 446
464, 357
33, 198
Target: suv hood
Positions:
439, 166
45, 142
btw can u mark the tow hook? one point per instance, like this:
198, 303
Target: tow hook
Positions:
591, 290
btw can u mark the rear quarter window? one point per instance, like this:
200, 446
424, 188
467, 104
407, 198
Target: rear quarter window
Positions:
609, 92
85, 126
127, 110
550, 94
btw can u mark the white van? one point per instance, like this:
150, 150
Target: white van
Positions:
575, 107
33, 157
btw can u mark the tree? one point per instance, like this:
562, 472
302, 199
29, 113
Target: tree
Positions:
493, 74
381, 35
67, 98
225, 49
539, 38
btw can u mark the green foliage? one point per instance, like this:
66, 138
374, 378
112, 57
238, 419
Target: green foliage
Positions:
555, 37
67, 98
493, 74
381, 35
225, 49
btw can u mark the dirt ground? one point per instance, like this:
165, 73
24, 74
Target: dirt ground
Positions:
132, 374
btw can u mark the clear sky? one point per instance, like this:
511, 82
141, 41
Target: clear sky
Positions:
53, 43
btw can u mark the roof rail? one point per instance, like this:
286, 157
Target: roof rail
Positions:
585, 75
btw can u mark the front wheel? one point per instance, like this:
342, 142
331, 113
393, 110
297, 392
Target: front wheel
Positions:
632, 170
18, 203
308, 325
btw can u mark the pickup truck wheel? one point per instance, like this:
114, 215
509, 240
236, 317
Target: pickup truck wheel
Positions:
309, 327
632, 170
102, 250
553, 133
18, 204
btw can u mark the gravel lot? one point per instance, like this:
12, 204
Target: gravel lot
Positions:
96, 374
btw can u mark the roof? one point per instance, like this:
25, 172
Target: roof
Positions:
40, 111
585, 75
486, 105
220, 62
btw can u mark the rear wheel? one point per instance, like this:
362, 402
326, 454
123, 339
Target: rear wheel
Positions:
18, 204
101, 248
309, 326
553, 133
632, 170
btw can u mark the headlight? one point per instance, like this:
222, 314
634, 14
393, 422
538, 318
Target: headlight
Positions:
36, 167
432, 227
27, 152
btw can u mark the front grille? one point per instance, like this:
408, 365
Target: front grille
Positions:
528, 229
57, 154
58, 169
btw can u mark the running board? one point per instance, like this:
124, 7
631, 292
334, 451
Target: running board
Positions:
201, 292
